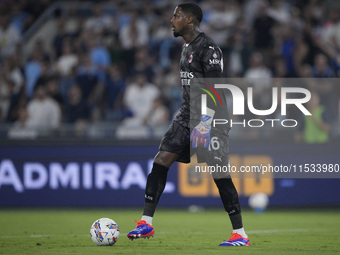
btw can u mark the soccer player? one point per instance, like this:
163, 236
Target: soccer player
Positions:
201, 58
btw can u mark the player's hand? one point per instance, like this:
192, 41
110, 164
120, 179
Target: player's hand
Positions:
200, 136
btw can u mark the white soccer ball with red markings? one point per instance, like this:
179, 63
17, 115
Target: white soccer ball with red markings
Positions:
104, 232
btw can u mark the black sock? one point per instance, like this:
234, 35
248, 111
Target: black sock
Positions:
236, 221
230, 201
154, 188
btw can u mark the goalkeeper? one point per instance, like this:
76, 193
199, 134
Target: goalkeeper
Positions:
200, 58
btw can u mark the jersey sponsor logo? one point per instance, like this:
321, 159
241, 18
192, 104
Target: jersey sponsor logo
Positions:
186, 75
185, 82
214, 62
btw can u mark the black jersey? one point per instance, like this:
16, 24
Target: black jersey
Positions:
198, 59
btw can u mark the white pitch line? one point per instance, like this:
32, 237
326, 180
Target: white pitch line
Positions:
269, 231
262, 231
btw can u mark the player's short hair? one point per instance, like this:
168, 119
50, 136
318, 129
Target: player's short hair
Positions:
193, 9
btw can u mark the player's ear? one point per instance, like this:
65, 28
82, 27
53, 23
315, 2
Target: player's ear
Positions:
190, 19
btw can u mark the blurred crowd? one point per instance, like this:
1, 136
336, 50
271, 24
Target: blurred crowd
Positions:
117, 62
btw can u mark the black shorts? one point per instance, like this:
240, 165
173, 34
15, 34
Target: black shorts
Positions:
177, 140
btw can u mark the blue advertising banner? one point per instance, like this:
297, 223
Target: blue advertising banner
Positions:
116, 176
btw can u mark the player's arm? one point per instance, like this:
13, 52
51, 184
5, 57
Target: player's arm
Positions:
212, 63
213, 74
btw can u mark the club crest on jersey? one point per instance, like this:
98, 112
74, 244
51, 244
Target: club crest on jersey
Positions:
190, 58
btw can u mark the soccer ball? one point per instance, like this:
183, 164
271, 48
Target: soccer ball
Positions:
258, 202
104, 232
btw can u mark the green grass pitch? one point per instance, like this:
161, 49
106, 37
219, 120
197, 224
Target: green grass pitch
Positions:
66, 231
